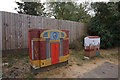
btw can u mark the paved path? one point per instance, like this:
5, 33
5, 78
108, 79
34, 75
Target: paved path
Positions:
106, 70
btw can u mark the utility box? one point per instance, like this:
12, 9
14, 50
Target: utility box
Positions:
48, 47
92, 46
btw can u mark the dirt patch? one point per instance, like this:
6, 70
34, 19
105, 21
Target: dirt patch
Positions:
19, 66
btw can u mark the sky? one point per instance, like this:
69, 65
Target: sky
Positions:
9, 5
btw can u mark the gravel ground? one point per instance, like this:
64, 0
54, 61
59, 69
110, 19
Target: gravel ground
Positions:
106, 70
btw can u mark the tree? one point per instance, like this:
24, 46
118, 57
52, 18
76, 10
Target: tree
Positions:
69, 11
31, 8
106, 23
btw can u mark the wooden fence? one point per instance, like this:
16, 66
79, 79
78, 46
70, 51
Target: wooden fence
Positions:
14, 28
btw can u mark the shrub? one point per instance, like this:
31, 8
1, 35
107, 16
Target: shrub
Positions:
106, 24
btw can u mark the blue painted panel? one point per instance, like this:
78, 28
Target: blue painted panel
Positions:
47, 47
32, 49
62, 35
97, 53
61, 42
45, 34
51, 53
54, 35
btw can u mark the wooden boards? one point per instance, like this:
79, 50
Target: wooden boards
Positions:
15, 28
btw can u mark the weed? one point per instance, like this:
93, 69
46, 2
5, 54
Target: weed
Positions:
100, 56
118, 58
110, 59
27, 59
10, 65
79, 64
70, 64
114, 54
24, 63
1, 76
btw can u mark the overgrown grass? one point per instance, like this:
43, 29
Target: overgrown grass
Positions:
78, 55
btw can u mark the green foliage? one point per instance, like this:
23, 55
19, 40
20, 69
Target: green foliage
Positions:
69, 11
78, 44
114, 55
10, 65
79, 64
70, 64
31, 8
100, 56
106, 23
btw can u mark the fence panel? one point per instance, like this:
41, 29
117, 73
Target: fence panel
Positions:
15, 28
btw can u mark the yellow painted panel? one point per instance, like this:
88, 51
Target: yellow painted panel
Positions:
38, 39
35, 63
54, 40
42, 39
65, 38
52, 30
48, 62
64, 58
42, 63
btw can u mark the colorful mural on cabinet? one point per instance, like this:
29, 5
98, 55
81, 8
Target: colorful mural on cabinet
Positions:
47, 47
92, 46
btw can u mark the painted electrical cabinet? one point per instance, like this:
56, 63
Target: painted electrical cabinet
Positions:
92, 46
47, 47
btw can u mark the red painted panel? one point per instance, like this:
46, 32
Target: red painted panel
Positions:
55, 53
65, 47
42, 30
67, 32
30, 47
42, 50
36, 50
34, 34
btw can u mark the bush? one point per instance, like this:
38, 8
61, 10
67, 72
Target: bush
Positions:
106, 24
